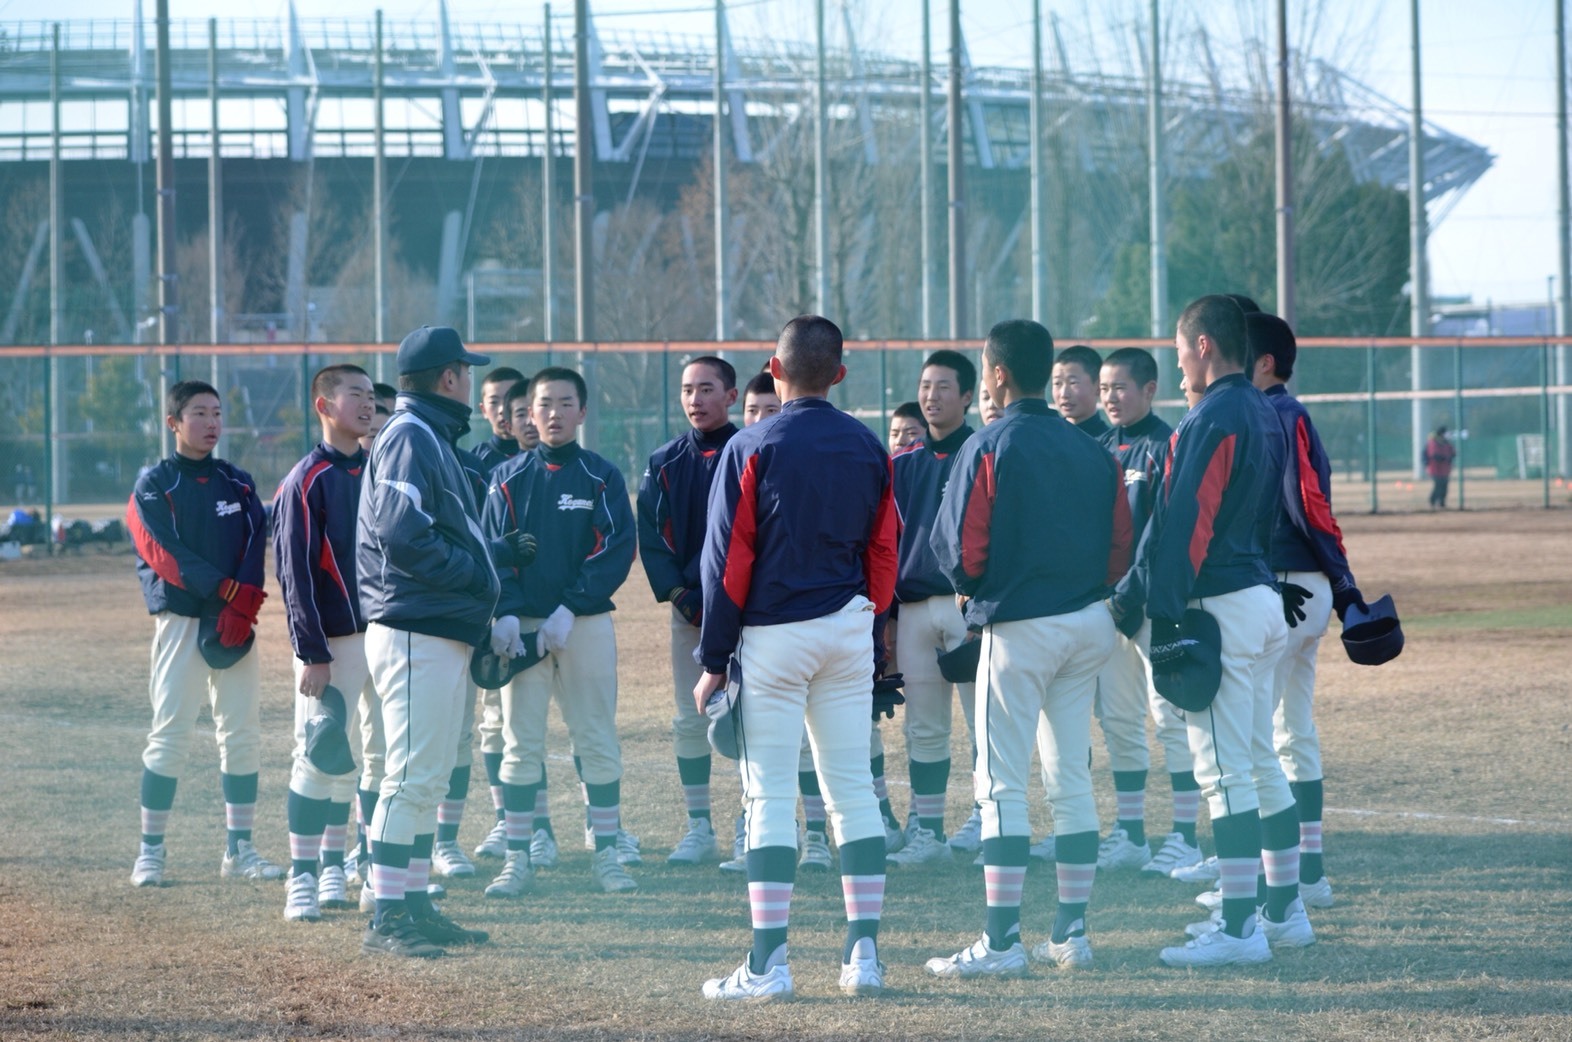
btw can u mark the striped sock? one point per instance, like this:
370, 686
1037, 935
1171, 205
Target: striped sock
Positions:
307, 819
450, 813
389, 876
1004, 877
1238, 860
862, 889
1075, 891
1280, 862
335, 835
542, 818
158, 796
419, 874
1308, 796
1130, 804
154, 822
929, 782
694, 773
1187, 804
518, 814
605, 812
240, 807
771, 872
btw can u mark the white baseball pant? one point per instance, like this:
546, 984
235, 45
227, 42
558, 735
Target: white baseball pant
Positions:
373, 743
349, 676
491, 741
690, 728
925, 627
180, 680
582, 677
1294, 735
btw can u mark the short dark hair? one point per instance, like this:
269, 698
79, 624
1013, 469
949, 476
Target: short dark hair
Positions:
810, 352
1142, 366
425, 381
910, 411
501, 374
724, 369
520, 389
1220, 320
1246, 304
1025, 348
181, 394
762, 383
558, 372
1270, 335
384, 391
329, 377
965, 371
1079, 354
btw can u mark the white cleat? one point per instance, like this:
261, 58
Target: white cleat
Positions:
697, 845
864, 974
1293, 932
1220, 949
149, 867
1045, 849
894, 839
496, 842
516, 877
737, 865
744, 985
246, 863
368, 898
981, 961
1074, 954
739, 847
1117, 852
301, 905
924, 848
1317, 894
542, 850
447, 860
332, 888
815, 855
1210, 924
628, 848
1175, 853
1211, 900
968, 837
1203, 871
609, 873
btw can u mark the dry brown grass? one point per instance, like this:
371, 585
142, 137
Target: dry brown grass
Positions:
1451, 922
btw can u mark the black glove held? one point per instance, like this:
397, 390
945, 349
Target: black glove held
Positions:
523, 546
1294, 597
1347, 597
887, 695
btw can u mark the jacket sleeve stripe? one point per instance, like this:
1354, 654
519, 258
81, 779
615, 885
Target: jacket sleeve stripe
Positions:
1318, 509
1119, 549
880, 560
977, 522
1209, 497
738, 574
160, 560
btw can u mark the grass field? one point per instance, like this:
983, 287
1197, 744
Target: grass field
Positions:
1449, 842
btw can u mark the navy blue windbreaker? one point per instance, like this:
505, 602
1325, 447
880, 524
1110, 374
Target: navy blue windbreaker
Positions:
314, 515
1306, 537
920, 474
673, 499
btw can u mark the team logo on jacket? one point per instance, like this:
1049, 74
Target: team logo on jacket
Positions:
567, 502
226, 508
1132, 476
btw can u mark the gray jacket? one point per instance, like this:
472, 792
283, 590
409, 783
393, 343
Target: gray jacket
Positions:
422, 562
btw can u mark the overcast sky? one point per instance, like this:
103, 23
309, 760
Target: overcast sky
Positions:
1489, 76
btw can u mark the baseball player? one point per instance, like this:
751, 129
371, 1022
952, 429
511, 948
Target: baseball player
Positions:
1308, 555
1033, 567
574, 505
1207, 547
1125, 695
799, 557
197, 525
928, 616
759, 400
427, 588
673, 496
503, 443
907, 426
314, 553
1075, 373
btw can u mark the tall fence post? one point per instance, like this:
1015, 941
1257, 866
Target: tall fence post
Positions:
1462, 430
1371, 457
1544, 421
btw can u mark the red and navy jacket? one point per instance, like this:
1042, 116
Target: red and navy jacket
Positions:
920, 473
1035, 521
1306, 538
674, 495
493, 452
1212, 533
801, 520
575, 503
1142, 451
314, 549
195, 523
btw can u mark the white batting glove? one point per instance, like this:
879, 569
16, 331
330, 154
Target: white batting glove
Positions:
505, 641
553, 633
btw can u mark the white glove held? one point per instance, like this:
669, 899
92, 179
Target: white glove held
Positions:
505, 641
553, 633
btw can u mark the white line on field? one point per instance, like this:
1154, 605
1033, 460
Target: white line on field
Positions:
1430, 816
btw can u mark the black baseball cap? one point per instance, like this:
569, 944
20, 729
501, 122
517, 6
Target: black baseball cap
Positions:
431, 346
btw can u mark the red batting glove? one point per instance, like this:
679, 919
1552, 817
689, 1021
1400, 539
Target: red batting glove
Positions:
243, 598
233, 627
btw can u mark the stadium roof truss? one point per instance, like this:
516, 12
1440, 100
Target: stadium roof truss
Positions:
300, 89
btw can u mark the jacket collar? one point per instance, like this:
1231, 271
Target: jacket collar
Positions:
448, 418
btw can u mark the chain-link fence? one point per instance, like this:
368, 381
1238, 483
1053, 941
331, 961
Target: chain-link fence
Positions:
80, 421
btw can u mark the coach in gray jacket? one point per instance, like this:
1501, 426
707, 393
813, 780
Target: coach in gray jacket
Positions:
427, 588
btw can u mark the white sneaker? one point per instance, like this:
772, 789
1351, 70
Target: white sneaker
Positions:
589, 838
894, 839
923, 848
1045, 849
1203, 871
981, 961
864, 974
745, 985
815, 855
1317, 894
609, 873
248, 864
1211, 900
697, 844
448, 860
516, 877
737, 865
1210, 924
332, 888
1220, 949
1174, 853
628, 848
1293, 932
354, 863
1116, 852
1074, 954
496, 842
301, 904
149, 867
368, 897
968, 837
542, 849
739, 837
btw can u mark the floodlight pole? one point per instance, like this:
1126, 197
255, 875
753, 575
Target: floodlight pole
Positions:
925, 174
1419, 294
821, 224
1564, 213
378, 203
958, 323
583, 176
722, 323
548, 162
1035, 117
1157, 257
1285, 177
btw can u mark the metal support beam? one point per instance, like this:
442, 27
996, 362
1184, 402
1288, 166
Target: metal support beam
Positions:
168, 295
583, 175
215, 199
1419, 276
454, 145
1035, 117
1564, 225
54, 469
1285, 177
548, 162
718, 145
925, 173
958, 322
378, 203
1156, 244
821, 223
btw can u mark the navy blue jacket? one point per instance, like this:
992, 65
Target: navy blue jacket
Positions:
1035, 521
575, 504
314, 549
920, 474
1213, 528
1142, 451
801, 520
1306, 537
674, 495
422, 562
1094, 425
493, 452
195, 523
